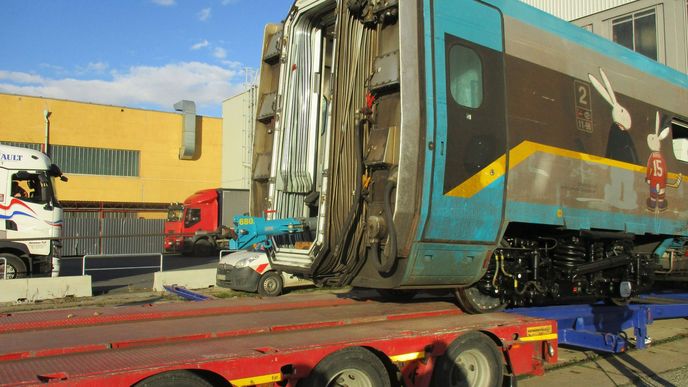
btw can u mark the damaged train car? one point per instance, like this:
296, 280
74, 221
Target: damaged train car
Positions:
480, 146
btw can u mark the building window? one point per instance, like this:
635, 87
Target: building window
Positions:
466, 77
90, 161
637, 31
96, 161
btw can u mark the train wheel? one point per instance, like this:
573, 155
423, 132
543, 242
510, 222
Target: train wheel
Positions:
349, 367
270, 284
181, 378
12, 266
472, 300
472, 360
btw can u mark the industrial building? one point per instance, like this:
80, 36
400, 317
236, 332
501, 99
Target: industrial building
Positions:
656, 28
116, 157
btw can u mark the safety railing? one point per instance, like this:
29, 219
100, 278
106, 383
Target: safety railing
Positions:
84, 269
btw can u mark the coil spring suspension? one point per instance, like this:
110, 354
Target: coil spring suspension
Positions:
568, 255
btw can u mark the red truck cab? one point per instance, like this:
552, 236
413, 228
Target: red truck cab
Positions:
173, 228
198, 231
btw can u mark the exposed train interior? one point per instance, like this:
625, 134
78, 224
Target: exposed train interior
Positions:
321, 154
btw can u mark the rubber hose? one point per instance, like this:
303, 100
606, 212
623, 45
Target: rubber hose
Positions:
323, 266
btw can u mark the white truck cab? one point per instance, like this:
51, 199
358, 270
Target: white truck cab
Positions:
31, 218
250, 271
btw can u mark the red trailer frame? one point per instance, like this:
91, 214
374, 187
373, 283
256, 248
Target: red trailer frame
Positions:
247, 342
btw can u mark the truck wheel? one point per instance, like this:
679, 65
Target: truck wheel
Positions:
473, 301
471, 360
181, 378
13, 266
202, 248
349, 367
270, 284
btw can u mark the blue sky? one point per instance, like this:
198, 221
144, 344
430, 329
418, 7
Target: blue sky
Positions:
136, 53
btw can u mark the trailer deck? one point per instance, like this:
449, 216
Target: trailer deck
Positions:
247, 341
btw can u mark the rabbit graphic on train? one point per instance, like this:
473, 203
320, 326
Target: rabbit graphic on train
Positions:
656, 175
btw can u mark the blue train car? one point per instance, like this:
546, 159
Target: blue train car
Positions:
479, 146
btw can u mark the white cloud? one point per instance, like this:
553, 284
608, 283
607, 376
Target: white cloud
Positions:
18, 77
227, 2
219, 53
160, 87
199, 45
204, 14
93, 67
164, 3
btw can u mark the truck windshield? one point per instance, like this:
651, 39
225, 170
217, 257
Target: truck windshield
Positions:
34, 187
174, 213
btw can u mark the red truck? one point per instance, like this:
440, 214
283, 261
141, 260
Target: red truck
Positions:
196, 226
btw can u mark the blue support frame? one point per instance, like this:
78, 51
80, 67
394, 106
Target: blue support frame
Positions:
600, 327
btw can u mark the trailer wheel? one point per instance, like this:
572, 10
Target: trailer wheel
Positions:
471, 360
472, 300
202, 248
349, 367
180, 378
270, 284
13, 266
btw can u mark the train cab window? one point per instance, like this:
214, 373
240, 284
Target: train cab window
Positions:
679, 135
465, 77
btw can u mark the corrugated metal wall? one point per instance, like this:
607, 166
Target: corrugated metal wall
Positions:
575, 9
118, 236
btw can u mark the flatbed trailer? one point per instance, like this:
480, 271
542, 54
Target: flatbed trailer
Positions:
313, 340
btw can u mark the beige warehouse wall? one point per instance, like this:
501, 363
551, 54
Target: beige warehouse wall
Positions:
162, 176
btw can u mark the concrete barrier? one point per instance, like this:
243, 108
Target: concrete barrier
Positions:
190, 279
35, 289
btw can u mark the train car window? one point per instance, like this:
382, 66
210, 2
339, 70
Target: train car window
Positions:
465, 77
679, 134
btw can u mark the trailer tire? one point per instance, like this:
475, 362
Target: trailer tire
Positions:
471, 360
270, 284
352, 366
180, 378
14, 266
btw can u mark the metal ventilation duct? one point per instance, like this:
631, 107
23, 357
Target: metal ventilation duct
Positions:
187, 151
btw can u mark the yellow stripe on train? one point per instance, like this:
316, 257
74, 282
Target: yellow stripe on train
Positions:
521, 152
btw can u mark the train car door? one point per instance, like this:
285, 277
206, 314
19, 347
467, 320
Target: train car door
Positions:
466, 103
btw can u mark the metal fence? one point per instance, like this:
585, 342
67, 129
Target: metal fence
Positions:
111, 236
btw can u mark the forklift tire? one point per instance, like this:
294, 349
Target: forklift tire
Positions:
473, 359
13, 266
202, 248
270, 284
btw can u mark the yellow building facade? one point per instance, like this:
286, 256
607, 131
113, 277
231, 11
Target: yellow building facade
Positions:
116, 155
